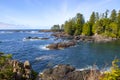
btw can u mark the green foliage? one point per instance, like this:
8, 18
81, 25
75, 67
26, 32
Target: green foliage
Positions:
79, 24
5, 68
98, 23
99, 27
55, 28
70, 27
86, 29
113, 15
92, 19
106, 13
114, 73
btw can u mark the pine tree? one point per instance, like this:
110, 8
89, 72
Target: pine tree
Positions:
98, 27
113, 15
86, 29
97, 16
118, 23
92, 19
79, 24
70, 27
106, 13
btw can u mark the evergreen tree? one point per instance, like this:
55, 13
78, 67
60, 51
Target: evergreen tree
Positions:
98, 27
97, 16
55, 27
118, 23
62, 27
113, 15
92, 19
106, 13
86, 29
70, 27
79, 24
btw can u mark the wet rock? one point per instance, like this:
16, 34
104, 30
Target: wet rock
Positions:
67, 72
84, 38
35, 38
27, 65
22, 71
52, 46
61, 45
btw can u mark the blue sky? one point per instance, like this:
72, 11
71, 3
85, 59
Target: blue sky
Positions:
45, 13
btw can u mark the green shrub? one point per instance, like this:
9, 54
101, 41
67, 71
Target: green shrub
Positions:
114, 73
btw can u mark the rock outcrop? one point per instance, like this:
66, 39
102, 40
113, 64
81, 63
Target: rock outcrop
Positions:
84, 38
99, 38
62, 35
22, 71
35, 38
61, 45
15, 70
67, 72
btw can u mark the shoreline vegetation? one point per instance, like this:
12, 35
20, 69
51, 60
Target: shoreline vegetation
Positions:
14, 70
101, 27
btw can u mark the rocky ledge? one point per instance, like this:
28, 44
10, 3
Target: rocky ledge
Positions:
61, 45
67, 72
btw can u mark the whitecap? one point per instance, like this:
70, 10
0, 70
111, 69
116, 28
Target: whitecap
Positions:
25, 39
43, 47
45, 57
4, 32
88, 68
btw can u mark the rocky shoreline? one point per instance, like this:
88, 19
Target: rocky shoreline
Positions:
23, 71
67, 72
79, 38
73, 40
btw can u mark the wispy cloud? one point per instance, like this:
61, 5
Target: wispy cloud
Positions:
49, 12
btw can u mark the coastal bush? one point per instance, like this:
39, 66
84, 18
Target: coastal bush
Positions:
14, 70
5, 69
114, 73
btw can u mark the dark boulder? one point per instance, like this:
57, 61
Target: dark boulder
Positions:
84, 38
67, 72
61, 45
52, 46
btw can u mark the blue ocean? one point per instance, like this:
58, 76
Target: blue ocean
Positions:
84, 54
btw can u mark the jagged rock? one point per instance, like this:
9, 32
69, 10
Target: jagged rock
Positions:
67, 72
27, 64
22, 71
84, 38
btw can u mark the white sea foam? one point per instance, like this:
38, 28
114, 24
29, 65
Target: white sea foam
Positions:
25, 39
87, 68
3, 32
45, 57
43, 47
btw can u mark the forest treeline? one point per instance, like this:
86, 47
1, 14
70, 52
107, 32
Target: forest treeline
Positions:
106, 24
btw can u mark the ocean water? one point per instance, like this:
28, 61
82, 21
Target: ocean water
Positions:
80, 56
